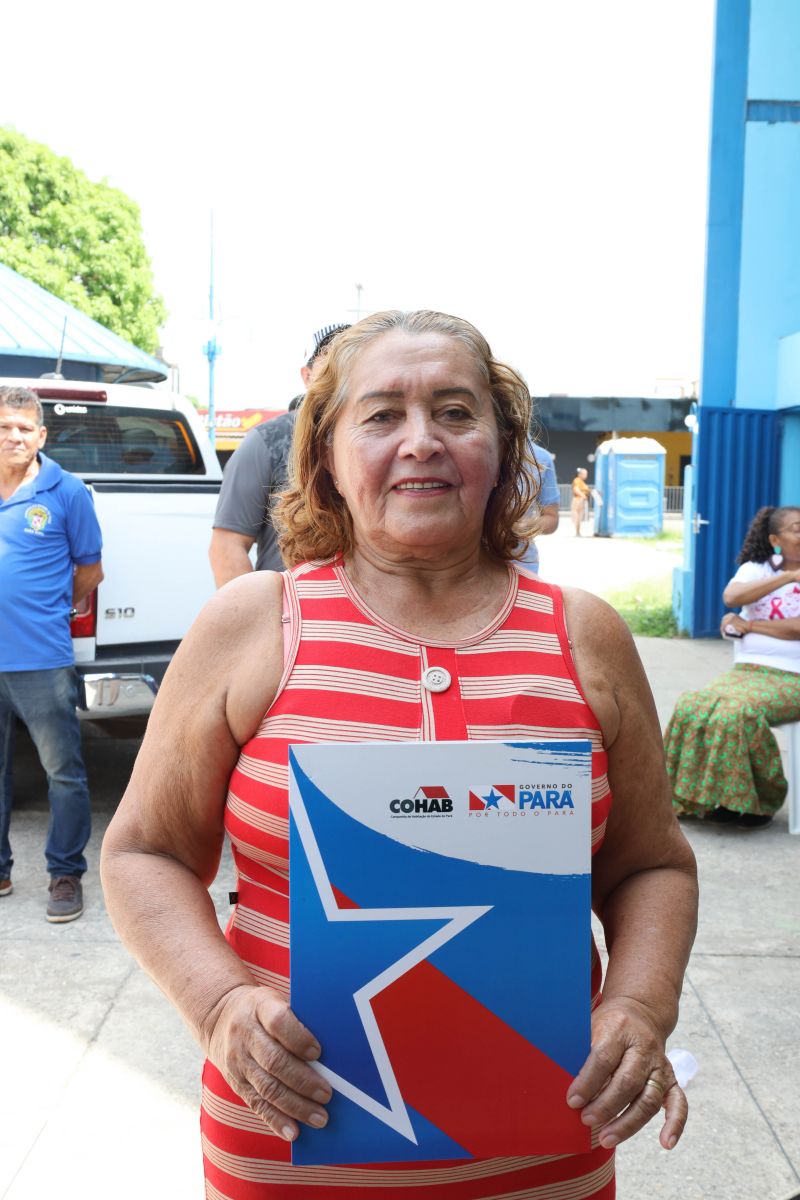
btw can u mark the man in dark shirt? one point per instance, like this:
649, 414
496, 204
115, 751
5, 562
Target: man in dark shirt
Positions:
253, 475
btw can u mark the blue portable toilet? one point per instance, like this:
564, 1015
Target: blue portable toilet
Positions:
601, 485
631, 483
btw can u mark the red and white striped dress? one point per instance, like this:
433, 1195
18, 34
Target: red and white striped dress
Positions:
351, 677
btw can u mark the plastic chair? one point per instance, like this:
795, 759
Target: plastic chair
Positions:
793, 798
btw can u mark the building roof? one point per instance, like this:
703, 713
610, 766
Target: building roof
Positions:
32, 325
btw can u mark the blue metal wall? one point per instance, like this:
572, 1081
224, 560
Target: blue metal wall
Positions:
738, 471
725, 200
707, 550
790, 460
769, 286
751, 350
774, 49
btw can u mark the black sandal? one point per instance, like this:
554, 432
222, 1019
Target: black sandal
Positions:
753, 820
723, 816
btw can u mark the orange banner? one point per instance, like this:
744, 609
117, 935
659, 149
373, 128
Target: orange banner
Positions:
232, 424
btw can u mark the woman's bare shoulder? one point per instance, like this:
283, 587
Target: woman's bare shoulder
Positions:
239, 613
252, 608
244, 597
233, 653
594, 625
605, 656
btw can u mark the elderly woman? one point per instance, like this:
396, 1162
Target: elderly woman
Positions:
404, 518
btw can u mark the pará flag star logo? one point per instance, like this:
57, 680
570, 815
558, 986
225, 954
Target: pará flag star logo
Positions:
497, 796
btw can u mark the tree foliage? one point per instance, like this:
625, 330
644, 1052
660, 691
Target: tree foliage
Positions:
80, 240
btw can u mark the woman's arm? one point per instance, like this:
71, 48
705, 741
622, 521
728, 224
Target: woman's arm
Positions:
736, 594
163, 846
644, 889
787, 629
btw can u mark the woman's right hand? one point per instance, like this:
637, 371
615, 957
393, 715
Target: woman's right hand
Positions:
264, 1053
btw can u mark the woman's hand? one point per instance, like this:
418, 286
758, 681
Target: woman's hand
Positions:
627, 1077
733, 621
265, 1053
787, 629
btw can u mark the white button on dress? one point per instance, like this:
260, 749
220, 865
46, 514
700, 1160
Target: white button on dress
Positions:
436, 679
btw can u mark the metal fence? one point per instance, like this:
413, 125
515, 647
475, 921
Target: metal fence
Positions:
565, 498
673, 498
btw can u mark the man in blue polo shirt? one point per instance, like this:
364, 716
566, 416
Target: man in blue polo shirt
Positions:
547, 502
50, 547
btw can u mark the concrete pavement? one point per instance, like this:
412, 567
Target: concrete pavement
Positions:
603, 565
100, 1079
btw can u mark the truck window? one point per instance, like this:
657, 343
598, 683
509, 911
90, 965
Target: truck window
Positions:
107, 439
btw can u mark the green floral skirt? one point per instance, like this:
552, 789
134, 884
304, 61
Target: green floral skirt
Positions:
720, 748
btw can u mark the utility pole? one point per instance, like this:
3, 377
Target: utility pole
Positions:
357, 310
211, 349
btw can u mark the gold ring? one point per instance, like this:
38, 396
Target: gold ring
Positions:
653, 1083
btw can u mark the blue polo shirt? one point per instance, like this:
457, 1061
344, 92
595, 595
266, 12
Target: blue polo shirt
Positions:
547, 496
46, 528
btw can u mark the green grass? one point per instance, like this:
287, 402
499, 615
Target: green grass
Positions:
670, 539
646, 608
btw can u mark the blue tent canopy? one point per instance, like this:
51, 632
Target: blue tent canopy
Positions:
32, 323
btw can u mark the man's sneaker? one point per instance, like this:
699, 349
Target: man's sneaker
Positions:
6, 887
66, 899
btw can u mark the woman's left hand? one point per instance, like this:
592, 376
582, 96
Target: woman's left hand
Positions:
627, 1077
735, 622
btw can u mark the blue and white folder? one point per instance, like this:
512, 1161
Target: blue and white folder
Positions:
440, 945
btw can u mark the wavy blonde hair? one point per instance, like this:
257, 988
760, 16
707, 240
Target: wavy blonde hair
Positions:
312, 519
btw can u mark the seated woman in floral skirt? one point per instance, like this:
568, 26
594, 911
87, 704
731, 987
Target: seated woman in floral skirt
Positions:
723, 761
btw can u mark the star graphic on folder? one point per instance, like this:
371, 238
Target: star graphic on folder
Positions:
358, 953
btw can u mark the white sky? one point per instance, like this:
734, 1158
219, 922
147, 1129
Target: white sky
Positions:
536, 166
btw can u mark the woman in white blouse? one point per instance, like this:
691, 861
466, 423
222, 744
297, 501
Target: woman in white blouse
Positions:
723, 761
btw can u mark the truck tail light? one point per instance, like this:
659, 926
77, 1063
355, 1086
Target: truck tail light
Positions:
54, 392
84, 623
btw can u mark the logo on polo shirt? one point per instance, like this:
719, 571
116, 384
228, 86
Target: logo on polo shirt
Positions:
38, 517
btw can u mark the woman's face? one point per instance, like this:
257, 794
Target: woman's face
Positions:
789, 537
415, 450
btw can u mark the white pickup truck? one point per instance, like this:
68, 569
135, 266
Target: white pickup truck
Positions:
154, 477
